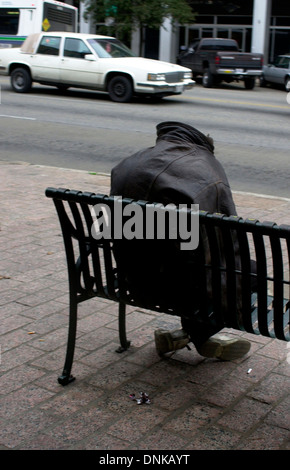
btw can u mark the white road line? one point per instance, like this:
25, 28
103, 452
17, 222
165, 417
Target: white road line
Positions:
17, 117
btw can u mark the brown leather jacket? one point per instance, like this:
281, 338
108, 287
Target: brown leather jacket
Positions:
180, 169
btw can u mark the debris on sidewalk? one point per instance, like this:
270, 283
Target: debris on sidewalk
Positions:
144, 398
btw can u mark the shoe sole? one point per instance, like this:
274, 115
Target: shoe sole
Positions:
228, 351
165, 342
161, 342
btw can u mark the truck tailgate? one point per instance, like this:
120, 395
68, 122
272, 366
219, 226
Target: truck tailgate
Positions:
241, 60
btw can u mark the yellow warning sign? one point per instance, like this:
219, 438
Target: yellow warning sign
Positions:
45, 24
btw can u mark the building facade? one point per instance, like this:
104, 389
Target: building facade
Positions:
257, 25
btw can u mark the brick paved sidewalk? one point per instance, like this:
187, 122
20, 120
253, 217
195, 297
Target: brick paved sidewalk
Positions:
196, 403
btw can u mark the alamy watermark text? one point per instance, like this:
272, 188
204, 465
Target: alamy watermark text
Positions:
151, 221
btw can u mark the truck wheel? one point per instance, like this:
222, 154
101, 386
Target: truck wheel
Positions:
250, 83
207, 79
21, 80
120, 89
263, 82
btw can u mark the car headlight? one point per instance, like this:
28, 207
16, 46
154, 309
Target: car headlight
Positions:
156, 76
187, 75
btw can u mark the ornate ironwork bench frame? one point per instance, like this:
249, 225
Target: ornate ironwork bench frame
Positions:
92, 269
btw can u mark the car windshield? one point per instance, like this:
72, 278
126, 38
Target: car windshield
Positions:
107, 48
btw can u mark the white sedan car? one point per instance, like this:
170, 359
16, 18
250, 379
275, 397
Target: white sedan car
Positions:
90, 61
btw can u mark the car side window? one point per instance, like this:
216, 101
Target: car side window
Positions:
281, 62
284, 63
75, 48
49, 45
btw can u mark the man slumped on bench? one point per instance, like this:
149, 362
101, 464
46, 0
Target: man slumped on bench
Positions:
181, 169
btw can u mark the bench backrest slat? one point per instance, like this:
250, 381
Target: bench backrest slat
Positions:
95, 252
278, 304
262, 286
246, 279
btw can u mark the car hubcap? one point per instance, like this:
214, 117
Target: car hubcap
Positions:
19, 80
119, 89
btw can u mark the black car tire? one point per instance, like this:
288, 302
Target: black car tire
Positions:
207, 79
263, 82
21, 80
250, 83
120, 89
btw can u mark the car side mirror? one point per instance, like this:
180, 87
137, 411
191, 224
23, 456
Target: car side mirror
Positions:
90, 57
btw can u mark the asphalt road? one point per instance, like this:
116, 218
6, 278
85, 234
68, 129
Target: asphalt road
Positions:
85, 130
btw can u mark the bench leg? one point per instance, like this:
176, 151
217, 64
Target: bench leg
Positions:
122, 328
66, 376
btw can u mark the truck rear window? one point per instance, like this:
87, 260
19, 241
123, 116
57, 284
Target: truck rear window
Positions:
219, 47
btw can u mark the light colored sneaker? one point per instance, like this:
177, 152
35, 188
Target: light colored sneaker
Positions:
170, 340
224, 348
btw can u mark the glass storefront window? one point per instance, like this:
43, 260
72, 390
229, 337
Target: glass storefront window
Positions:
239, 27
240, 19
279, 42
223, 33
241, 35
280, 21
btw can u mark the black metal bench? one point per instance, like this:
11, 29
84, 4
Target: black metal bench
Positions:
94, 272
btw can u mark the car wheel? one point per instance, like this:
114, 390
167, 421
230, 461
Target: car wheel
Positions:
21, 80
207, 79
250, 83
120, 89
263, 82
287, 84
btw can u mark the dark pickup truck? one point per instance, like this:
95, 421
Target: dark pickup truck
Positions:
217, 59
